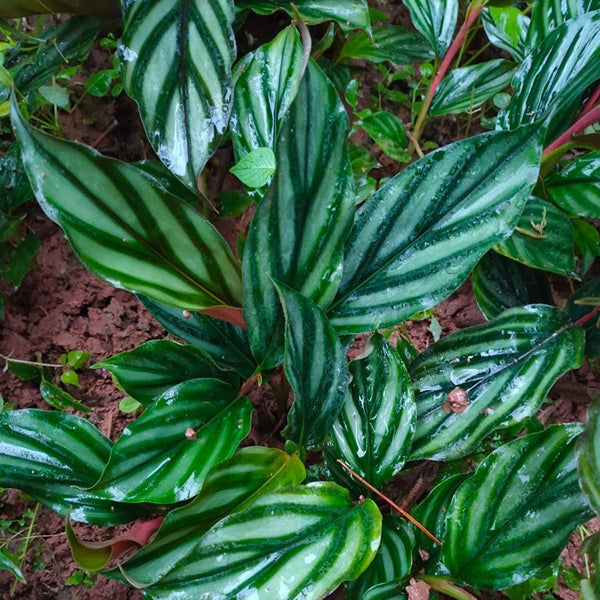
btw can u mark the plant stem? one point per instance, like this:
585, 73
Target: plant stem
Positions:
444, 66
246, 386
585, 120
31, 362
591, 101
439, 584
589, 316
26, 548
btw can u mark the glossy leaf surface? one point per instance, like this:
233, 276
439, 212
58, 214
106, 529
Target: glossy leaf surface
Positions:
436, 20
158, 365
576, 310
166, 454
419, 236
467, 88
500, 283
388, 132
374, 431
589, 458
298, 231
22, 8
229, 488
516, 513
315, 365
543, 239
506, 27
125, 228
302, 542
177, 59
53, 457
505, 367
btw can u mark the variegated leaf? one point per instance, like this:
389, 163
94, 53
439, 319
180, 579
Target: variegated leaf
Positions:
435, 20
23, 8
506, 27
589, 458
578, 306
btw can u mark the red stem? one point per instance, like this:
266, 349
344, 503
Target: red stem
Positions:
589, 316
591, 102
587, 119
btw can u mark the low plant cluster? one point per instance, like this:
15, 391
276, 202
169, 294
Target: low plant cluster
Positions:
331, 253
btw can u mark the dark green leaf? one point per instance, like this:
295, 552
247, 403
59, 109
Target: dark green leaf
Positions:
99, 83
14, 185
233, 203
543, 239
58, 398
505, 367
166, 454
388, 132
516, 513
254, 169
544, 581
167, 181
23, 370
8, 563
576, 311
587, 240
500, 283
125, 228
419, 236
158, 365
21, 8
176, 63
436, 20
469, 87
295, 543
15, 261
506, 27
374, 431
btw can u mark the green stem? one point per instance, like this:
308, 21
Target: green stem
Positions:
31, 362
26, 548
444, 586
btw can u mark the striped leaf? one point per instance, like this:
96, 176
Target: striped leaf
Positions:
229, 488
469, 87
505, 367
388, 132
391, 565
418, 237
176, 63
506, 27
125, 228
225, 343
589, 294
53, 457
374, 431
350, 14
292, 543
552, 78
298, 231
576, 188
315, 365
515, 514
23, 8
387, 43
587, 242
158, 365
166, 454
543, 239
500, 283
589, 458
266, 84
436, 20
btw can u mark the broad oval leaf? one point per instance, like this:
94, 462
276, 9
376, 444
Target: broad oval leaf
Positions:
515, 514
158, 365
388, 132
176, 63
552, 78
506, 27
500, 283
298, 231
254, 169
543, 239
229, 488
469, 87
53, 456
14, 185
504, 367
576, 188
23, 8
166, 454
301, 542
578, 305
419, 236
125, 228
374, 431
589, 458
436, 20
315, 365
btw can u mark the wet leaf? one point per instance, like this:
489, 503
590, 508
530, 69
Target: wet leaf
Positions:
435, 20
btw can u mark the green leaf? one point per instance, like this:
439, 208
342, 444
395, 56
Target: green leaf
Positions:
23, 370
77, 359
298, 231
388, 43
576, 188
543, 581
56, 95
7, 563
69, 377
388, 132
469, 87
543, 239
254, 169
14, 185
436, 20
515, 514
374, 431
552, 78
99, 83
158, 365
233, 203
229, 488
587, 240
500, 283
418, 237
576, 311
506, 367
21, 8
58, 398
15, 261
166, 454
176, 64
125, 228
315, 365
350, 14
53, 456
224, 342
506, 27
167, 181
300, 542
392, 563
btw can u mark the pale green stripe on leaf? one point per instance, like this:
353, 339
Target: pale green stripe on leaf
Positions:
435, 20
